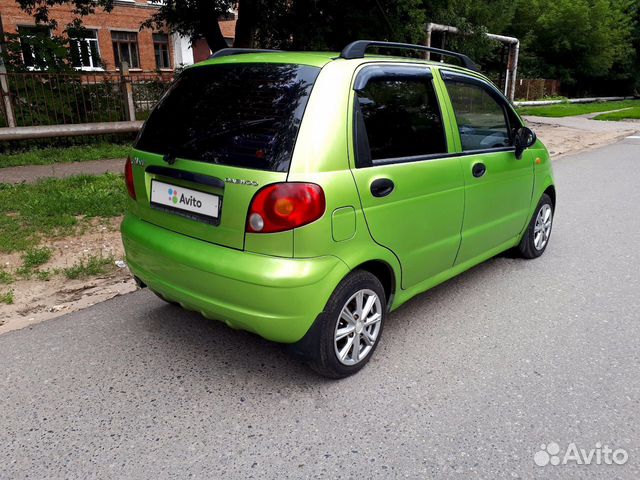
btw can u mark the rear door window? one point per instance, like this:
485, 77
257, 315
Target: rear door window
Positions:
399, 118
242, 115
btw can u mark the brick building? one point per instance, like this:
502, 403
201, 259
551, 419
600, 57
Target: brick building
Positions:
112, 37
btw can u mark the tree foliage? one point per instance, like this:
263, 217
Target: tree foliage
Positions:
194, 19
41, 9
335, 23
576, 41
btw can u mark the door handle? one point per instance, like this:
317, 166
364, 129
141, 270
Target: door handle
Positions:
381, 187
478, 169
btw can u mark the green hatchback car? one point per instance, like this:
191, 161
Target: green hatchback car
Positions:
304, 196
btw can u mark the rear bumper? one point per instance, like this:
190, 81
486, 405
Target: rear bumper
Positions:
277, 298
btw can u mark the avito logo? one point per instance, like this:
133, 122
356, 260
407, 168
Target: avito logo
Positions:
551, 453
190, 201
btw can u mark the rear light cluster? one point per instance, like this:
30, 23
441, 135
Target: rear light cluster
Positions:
283, 206
128, 178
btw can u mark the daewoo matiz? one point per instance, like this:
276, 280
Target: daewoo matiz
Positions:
303, 196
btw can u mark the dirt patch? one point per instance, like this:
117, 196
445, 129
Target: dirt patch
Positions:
36, 300
569, 135
561, 140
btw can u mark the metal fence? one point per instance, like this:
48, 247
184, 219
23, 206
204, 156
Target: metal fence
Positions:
40, 98
536, 88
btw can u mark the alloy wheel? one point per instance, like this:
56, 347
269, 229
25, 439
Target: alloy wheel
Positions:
358, 327
542, 227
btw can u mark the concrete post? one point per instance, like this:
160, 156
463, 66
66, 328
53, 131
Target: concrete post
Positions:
514, 70
127, 92
6, 98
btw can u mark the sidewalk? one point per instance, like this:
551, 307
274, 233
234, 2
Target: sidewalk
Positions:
583, 122
33, 173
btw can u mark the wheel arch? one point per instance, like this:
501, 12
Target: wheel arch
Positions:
551, 191
383, 272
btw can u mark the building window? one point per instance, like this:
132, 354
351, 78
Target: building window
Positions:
85, 53
161, 49
33, 43
125, 48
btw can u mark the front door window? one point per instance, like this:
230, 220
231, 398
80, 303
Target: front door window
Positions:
481, 119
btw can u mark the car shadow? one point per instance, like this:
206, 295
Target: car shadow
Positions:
211, 346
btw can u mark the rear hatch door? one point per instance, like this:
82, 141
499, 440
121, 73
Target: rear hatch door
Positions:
219, 134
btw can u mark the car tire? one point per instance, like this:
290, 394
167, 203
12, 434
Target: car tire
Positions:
330, 345
536, 238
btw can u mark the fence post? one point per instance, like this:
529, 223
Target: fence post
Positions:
6, 99
127, 92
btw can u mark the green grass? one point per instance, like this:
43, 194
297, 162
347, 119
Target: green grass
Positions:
30, 213
571, 109
47, 156
44, 275
33, 258
5, 277
88, 267
632, 113
6, 297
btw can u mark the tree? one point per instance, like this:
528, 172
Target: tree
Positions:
194, 19
575, 41
331, 24
41, 9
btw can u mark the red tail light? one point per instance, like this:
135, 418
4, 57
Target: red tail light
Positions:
283, 206
128, 178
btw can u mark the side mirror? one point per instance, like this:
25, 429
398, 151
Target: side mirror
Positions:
523, 139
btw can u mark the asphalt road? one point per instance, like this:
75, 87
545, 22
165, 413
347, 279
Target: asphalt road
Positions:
469, 381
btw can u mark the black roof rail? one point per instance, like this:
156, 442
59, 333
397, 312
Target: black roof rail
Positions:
225, 52
357, 49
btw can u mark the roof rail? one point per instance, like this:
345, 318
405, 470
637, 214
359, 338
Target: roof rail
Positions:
357, 49
225, 52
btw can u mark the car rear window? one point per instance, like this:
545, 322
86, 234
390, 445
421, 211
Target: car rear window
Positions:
243, 115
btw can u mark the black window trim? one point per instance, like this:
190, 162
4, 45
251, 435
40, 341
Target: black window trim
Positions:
496, 94
401, 71
437, 156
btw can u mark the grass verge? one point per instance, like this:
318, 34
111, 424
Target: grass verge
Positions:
572, 109
632, 113
48, 156
88, 267
55, 208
